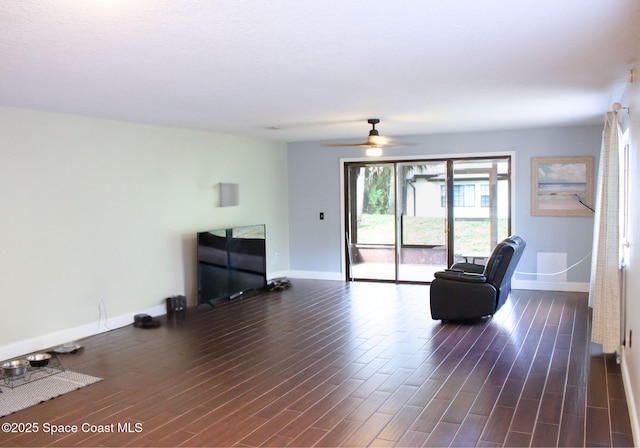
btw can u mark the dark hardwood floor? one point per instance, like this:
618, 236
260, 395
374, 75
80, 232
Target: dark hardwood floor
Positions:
346, 364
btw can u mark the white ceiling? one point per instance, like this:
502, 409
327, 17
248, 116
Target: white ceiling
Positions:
317, 70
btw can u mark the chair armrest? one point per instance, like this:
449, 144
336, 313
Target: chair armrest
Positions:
461, 276
468, 267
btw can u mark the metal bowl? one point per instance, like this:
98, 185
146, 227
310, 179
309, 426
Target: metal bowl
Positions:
39, 359
15, 368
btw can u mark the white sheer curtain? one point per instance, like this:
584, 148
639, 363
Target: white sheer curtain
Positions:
604, 290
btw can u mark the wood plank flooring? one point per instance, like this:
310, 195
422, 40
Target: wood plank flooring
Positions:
345, 364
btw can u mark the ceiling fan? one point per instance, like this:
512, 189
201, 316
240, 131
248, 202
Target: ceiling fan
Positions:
374, 142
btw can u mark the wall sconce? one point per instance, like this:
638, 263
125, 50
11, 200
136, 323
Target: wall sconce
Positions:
229, 195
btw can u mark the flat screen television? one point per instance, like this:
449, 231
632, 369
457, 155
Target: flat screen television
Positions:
231, 262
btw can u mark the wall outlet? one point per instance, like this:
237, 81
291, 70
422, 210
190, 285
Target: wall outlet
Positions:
321, 216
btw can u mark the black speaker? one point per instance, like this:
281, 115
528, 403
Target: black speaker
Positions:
176, 305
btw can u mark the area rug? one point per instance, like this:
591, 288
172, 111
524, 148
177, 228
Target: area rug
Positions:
32, 393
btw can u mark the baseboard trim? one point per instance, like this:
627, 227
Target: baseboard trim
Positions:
631, 402
316, 275
516, 284
550, 286
47, 341
277, 274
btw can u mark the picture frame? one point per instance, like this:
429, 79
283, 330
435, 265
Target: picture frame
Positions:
562, 186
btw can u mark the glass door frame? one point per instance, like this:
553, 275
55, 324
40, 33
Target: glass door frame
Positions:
509, 156
425, 246
350, 208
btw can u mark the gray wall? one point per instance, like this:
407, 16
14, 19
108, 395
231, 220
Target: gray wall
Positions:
314, 186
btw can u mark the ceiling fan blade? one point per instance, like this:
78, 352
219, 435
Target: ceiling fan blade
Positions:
335, 145
368, 145
374, 140
399, 144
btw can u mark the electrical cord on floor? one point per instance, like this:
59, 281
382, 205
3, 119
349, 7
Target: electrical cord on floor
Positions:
555, 273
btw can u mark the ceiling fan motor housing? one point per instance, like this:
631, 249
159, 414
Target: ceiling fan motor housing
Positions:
373, 122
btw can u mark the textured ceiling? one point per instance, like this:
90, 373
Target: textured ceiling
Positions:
318, 70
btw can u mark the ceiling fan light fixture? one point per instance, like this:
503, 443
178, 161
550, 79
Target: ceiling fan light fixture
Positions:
374, 151
377, 140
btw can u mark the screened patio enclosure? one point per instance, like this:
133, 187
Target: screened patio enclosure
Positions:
406, 220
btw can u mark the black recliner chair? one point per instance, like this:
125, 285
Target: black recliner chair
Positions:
470, 291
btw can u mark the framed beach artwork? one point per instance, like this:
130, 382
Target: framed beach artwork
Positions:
562, 186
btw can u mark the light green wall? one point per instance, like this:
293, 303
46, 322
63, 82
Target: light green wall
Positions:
96, 210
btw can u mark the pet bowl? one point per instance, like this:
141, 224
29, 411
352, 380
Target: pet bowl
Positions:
39, 359
15, 368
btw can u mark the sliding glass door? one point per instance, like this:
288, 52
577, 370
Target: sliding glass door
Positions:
371, 233
422, 216
407, 220
480, 208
